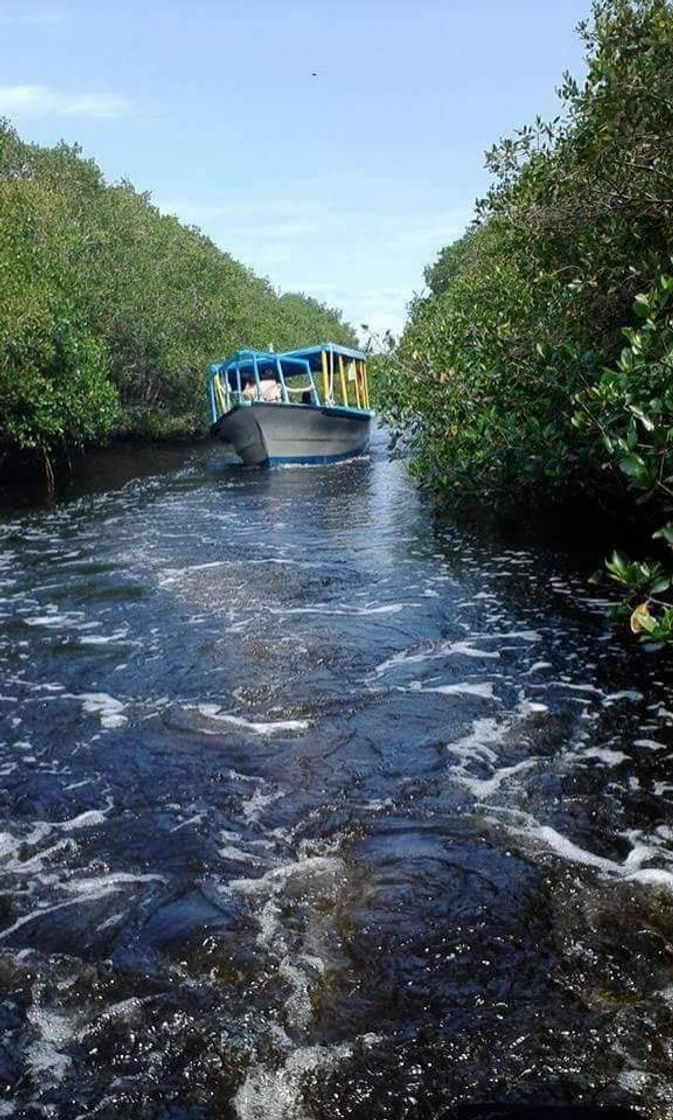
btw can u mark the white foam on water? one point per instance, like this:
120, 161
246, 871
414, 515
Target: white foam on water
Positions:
36, 862
380, 804
305, 876
446, 649
630, 870
238, 855
172, 575
237, 776
98, 886
652, 876
320, 466
275, 1094
9, 845
477, 745
300, 975
86, 890
466, 649
607, 755
106, 639
57, 620
252, 806
105, 706
483, 788
273, 727
198, 818
322, 872
572, 687
127, 1010
385, 608
625, 694
45, 1059
88, 819
523, 635
650, 744
482, 689
634, 1080
559, 844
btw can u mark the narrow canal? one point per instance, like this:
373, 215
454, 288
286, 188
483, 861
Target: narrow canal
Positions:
314, 809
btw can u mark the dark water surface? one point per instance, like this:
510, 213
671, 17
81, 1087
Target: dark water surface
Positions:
312, 809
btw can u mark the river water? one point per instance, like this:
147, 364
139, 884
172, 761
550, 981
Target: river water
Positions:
312, 808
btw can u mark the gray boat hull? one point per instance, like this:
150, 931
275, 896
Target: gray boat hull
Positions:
266, 434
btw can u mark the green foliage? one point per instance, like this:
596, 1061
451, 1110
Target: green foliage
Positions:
527, 308
54, 388
630, 406
512, 378
110, 311
482, 387
630, 409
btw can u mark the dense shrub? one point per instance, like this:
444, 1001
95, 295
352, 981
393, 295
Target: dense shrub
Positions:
54, 384
525, 310
511, 377
111, 311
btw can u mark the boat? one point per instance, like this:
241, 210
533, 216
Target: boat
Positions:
305, 406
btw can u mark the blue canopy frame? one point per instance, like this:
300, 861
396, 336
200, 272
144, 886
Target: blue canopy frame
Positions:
313, 354
226, 379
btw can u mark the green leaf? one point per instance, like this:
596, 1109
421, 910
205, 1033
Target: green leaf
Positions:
665, 533
641, 306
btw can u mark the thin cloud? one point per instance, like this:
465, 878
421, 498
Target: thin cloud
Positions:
32, 19
43, 101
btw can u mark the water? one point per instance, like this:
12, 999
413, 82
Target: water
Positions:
312, 808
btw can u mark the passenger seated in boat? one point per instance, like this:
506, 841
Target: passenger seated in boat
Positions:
269, 390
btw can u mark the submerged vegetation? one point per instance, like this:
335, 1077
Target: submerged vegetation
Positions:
540, 363
110, 311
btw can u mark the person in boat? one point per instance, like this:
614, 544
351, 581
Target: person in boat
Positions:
269, 390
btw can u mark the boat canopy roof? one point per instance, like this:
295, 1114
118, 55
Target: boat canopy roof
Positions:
291, 361
314, 353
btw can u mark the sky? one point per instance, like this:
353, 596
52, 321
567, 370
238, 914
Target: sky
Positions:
333, 147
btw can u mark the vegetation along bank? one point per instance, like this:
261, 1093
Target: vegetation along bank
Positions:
540, 364
111, 311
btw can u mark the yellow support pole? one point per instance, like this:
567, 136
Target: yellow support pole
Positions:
219, 395
325, 377
342, 379
358, 403
365, 382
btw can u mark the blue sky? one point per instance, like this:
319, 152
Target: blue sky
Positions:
343, 185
